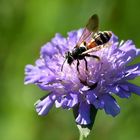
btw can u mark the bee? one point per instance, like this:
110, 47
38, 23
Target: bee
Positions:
90, 41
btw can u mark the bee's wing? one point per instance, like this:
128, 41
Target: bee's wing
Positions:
90, 29
97, 48
93, 49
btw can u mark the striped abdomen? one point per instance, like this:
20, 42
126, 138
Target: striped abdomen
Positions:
99, 39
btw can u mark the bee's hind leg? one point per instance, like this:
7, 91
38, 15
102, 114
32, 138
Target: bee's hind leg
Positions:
78, 63
86, 64
94, 56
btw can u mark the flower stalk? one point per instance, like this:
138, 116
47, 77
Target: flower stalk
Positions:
81, 136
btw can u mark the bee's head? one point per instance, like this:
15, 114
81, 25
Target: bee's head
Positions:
69, 57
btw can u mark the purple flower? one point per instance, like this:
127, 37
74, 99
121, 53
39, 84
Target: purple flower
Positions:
69, 88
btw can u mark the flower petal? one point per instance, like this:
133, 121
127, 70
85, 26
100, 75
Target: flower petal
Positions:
32, 74
68, 101
73, 37
44, 105
114, 38
93, 99
132, 71
110, 105
120, 91
83, 117
60, 43
48, 50
134, 88
124, 46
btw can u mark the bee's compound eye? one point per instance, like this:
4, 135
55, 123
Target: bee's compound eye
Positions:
69, 60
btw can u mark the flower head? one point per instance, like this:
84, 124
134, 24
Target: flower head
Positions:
69, 88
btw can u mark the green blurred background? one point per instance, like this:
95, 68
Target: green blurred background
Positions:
25, 25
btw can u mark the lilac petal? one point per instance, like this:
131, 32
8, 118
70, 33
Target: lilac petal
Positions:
44, 105
58, 39
124, 46
32, 74
128, 56
39, 76
130, 52
134, 88
120, 90
110, 105
73, 100
114, 38
99, 104
48, 50
92, 99
133, 67
57, 45
123, 94
132, 71
138, 52
40, 63
83, 117
68, 101
60, 43
73, 37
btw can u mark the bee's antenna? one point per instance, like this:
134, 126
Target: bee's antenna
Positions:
63, 64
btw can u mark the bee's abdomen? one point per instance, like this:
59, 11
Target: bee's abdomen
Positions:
102, 37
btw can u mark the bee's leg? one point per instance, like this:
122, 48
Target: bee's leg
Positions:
63, 65
93, 86
78, 63
86, 64
94, 56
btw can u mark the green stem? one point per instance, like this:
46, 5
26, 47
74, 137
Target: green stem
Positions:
81, 136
